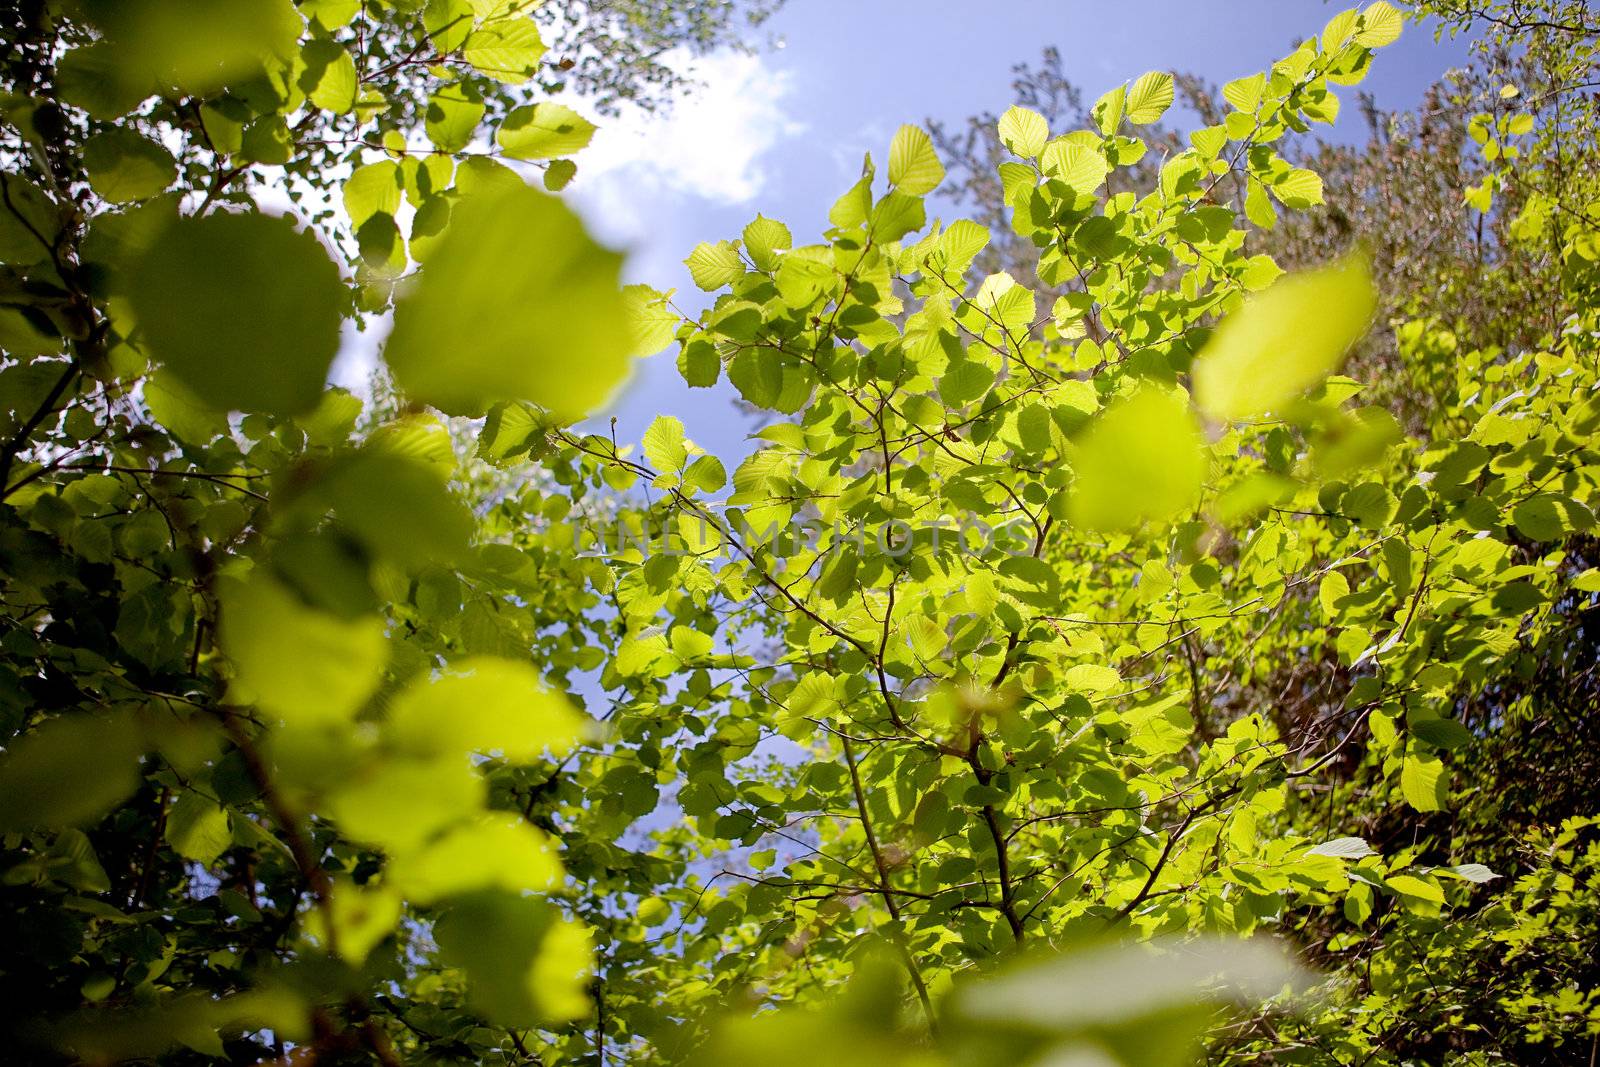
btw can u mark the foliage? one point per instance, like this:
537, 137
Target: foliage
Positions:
1510, 982
1046, 621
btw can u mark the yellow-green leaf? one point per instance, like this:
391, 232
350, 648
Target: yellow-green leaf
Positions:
373, 190
516, 302
1423, 783
1284, 340
914, 167
293, 660
544, 131
1141, 459
713, 265
485, 705
68, 771
1381, 24
124, 167
243, 309
1149, 98
198, 828
1024, 131
508, 50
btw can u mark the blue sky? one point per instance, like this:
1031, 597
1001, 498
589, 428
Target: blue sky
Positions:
783, 131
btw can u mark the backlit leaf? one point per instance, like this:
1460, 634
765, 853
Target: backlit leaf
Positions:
124, 167
242, 309
508, 50
1149, 98
296, 662
1141, 459
1024, 131
1283, 340
914, 167
543, 131
485, 705
68, 771
516, 302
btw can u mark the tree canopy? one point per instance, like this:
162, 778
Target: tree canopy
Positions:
1156, 624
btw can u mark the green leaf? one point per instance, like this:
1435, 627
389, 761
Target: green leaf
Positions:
73, 862
1011, 305
29, 225
453, 114
757, 376
1092, 678
1033, 428
124, 167
1284, 340
1024, 131
97, 78
896, 215
653, 320
851, 209
202, 47
362, 916
397, 505
448, 22
927, 638
1244, 94
330, 14
964, 381
496, 851
507, 50
706, 474
764, 239
714, 265
1149, 98
1370, 504
373, 190
663, 444
399, 803
198, 828
329, 79
1550, 517
222, 121
1423, 783
1412, 886
267, 140
1258, 205
1141, 459
516, 302
961, 242
1299, 189
544, 131
1344, 848
68, 771
1441, 733
299, 663
1338, 30
700, 365
1109, 109
914, 167
484, 705
524, 963
1078, 165
242, 309
482, 176
559, 173
1094, 990
1476, 873
180, 412
1380, 24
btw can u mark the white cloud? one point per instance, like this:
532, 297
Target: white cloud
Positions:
639, 174
710, 145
